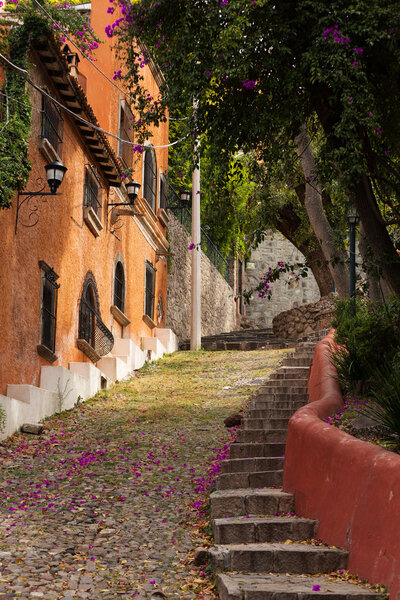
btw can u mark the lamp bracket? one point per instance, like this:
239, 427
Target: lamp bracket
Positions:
160, 253
32, 202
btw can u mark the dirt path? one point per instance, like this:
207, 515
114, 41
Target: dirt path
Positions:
109, 502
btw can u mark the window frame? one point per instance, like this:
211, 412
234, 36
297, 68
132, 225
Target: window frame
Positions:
93, 201
125, 151
52, 125
119, 295
48, 314
163, 192
149, 289
149, 190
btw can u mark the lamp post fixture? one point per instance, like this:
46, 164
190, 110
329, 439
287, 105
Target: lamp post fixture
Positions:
185, 197
55, 172
132, 189
195, 308
353, 220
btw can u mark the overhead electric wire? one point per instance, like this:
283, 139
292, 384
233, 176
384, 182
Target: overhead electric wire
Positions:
26, 76
80, 50
90, 60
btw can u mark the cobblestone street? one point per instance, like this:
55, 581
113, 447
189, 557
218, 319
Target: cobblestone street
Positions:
107, 503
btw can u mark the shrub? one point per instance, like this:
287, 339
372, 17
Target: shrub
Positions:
368, 340
385, 391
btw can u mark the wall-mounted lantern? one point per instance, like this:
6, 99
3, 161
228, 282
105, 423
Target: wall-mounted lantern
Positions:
55, 172
132, 189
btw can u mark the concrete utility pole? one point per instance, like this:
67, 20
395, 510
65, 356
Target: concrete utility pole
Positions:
195, 321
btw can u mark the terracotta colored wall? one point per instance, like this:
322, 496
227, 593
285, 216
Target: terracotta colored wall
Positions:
352, 487
104, 98
63, 240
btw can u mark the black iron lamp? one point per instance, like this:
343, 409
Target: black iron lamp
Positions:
353, 220
352, 215
185, 197
132, 189
55, 172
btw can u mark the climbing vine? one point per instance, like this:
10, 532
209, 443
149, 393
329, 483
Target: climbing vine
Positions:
16, 109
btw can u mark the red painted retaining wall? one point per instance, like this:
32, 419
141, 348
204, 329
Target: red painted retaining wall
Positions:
351, 487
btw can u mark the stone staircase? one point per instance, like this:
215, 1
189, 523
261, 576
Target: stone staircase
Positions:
263, 550
245, 339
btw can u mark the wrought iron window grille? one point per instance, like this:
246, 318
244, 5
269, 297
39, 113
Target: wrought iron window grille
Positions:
119, 286
92, 189
150, 176
163, 192
92, 330
52, 124
150, 288
49, 297
125, 151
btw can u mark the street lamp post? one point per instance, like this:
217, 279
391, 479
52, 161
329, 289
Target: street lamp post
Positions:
195, 321
353, 220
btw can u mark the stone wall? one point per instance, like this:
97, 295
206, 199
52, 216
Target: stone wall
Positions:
285, 296
304, 320
218, 307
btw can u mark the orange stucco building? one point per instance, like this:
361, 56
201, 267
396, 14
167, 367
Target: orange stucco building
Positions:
83, 283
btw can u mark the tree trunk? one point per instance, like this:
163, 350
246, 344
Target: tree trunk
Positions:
374, 227
337, 258
377, 235
288, 224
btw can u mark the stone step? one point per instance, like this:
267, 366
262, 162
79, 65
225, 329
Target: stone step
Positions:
269, 413
258, 479
268, 424
288, 587
252, 465
307, 345
234, 503
261, 435
289, 370
283, 389
277, 558
297, 361
276, 404
308, 352
280, 396
297, 373
238, 450
285, 382
252, 530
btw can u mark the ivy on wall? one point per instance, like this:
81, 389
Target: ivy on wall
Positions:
16, 110
16, 116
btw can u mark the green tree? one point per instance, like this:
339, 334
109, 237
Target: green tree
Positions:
262, 71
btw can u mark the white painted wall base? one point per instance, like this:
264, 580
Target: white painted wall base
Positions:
114, 367
92, 374
168, 339
64, 381
60, 387
153, 346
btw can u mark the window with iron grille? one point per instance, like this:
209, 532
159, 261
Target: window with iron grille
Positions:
125, 133
87, 314
49, 293
163, 192
119, 286
52, 124
150, 176
94, 338
150, 287
92, 190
